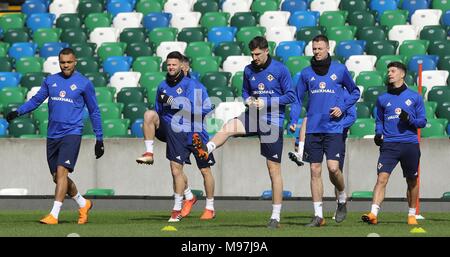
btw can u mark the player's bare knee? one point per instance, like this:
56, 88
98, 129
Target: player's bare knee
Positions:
151, 117
335, 171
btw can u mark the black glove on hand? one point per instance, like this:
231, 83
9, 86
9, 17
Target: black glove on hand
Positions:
404, 116
378, 140
99, 149
163, 98
11, 116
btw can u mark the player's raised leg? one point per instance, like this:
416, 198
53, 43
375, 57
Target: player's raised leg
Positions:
150, 125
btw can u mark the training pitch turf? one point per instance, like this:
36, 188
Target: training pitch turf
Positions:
226, 224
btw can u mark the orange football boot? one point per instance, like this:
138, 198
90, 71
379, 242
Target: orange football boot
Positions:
208, 215
49, 220
83, 213
187, 206
370, 218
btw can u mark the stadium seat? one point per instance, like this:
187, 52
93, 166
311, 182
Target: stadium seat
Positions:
433, 129
68, 20
236, 83
426, 17
384, 60
279, 34
45, 35
444, 63
274, 18
390, 18
12, 21
413, 47
185, 20
307, 33
236, 6
109, 49
166, 47
433, 33
206, 6
100, 191
439, 48
206, 64
139, 49
371, 94
412, 5
302, 19
286, 49
133, 35
41, 113
309, 50
87, 7
32, 79
358, 63
144, 64
127, 20
244, 19
217, 35
234, 64
59, 7
363, 127
189, 35
119, 6
403, 32
115, 128
381, 6
362, 110
156, 20
216, 79
51, 49
226, 49
29, 64
98, 79
346, 48
151, 80
362, 195
87, 64
446, 18
105, 94
103, 35
22, 126
439, 95
380, 48
74, 35
431, 78
115, 64
40, 20
123, 79
4, 47
134, 111
429, 62
51, 65
263, 6
293, 6
158, 35
174, 6
329, 19
323, 6
9, 79
30, 7
371, 34
110, 110
361, 19
136, 128
128, 95
22, 49
148, 6
369, 79
296, 64
246, 34
97, 20
214, 19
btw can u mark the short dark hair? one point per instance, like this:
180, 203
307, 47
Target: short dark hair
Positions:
175, 55
321, 38
258, 42
185, 59
66, 51
398, 65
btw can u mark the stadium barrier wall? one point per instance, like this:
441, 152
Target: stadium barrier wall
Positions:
240, 170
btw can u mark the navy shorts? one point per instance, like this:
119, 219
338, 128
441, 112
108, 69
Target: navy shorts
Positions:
63, 152
177, 149
407, 154
270, 136
317, 144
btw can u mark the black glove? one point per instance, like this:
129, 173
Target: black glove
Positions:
99, 149
404, 116
165, 99
11, 116
378, 139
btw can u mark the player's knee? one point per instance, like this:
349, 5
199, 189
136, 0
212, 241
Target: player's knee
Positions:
150, 116
382, 181
334, 170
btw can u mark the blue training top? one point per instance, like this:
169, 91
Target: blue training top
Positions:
325, 92
67, 98
388, 123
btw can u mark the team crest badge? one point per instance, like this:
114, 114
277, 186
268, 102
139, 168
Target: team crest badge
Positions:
333, 77
62, 93
73, 87
322, 85
270, 77
408, 102
261, 86
398, 111
179, 90
380, 166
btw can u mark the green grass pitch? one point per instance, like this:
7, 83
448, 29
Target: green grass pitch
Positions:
226, 224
